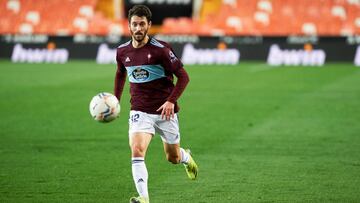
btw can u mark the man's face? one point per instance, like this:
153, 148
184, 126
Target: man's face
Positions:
139, 27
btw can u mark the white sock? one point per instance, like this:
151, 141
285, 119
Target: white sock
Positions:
140, 176
185, 157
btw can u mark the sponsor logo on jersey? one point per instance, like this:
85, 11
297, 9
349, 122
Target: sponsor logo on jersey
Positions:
140, 74
172, 57
127, 59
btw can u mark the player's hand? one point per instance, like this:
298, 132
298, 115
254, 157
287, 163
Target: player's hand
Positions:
167, 110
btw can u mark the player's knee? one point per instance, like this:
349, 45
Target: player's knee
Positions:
137, 151
173, 158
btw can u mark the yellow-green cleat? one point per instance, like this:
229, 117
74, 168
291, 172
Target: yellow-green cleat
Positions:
191, 168
139, 200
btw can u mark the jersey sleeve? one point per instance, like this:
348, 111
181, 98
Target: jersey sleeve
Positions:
120, 77
171, 61
181, 83
175, 66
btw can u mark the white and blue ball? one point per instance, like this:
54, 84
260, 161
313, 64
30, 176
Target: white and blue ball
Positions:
104, 107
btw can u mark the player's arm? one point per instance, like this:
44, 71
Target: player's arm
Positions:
167, 109
120, 78
181, 83
173, 64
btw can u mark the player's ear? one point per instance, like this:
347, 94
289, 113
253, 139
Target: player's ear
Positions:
149, 23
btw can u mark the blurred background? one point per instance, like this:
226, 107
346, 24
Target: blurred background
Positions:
87, 27
198, 17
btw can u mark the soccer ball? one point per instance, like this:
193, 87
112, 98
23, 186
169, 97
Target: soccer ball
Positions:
104, 107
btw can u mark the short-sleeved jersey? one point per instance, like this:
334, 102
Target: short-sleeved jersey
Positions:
150, 71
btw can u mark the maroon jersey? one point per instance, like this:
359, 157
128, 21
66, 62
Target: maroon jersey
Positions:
150, 70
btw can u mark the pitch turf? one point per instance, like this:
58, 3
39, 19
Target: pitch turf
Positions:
259, 134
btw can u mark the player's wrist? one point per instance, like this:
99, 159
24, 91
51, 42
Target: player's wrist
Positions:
171, 101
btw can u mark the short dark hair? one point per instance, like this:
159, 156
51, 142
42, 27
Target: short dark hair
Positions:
140, 10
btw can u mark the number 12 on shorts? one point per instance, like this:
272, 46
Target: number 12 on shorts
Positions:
135, 118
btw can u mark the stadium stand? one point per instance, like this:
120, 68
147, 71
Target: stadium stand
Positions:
217, 17
55, 17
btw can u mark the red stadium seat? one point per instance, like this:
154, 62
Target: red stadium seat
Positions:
228, 17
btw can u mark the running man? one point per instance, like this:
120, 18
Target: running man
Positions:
150, 65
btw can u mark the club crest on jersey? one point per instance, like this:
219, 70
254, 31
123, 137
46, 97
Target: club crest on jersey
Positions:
140, 74
172, 57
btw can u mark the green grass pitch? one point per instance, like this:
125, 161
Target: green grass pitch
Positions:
258, 133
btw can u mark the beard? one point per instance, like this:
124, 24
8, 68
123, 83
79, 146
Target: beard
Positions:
139, 36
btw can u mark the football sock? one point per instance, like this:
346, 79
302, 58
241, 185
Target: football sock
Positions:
184, 156
140, 176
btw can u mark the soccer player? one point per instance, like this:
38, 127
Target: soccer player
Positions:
151, 65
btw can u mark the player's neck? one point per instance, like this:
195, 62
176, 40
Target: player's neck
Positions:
137, 44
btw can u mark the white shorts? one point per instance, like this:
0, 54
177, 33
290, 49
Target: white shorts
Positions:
153, 123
